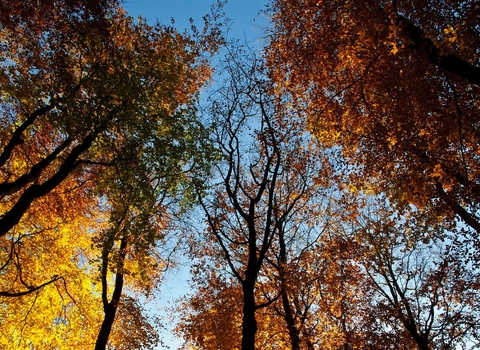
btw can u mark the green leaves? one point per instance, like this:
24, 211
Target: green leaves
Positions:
100, 139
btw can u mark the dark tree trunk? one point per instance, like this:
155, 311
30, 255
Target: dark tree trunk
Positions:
289, 319
293, 331
110, 308
15, 214
106, 328
16, 138
249, 323
419, 339
468, 218
427, 47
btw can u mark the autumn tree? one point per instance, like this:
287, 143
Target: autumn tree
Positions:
93, 105
267, 184
395, 84
423, 279
234, 217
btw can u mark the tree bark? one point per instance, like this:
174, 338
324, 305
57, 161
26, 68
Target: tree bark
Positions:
249, 323
110, 308
7, 188
289, 319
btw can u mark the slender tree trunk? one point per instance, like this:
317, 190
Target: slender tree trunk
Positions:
468, 218
110, 308
293, 331
106, 328
16, 138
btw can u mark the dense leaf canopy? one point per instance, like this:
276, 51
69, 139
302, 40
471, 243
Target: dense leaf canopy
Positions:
99, 133
395, 84
333, 202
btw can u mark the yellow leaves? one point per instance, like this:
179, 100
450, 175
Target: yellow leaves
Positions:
394, 48
326, 136
90, 109
63, 314
450, 33
438, 172
392, 140
353, 188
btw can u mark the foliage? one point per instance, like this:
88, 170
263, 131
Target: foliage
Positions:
395, 85
380, 266
269, 178
99, 137
342, 211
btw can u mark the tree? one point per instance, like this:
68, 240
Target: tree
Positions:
395, 84
269, 176
122, 92
423, 279
234, 217
93, 105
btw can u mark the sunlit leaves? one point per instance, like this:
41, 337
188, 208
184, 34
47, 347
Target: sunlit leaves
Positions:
101, 147
375, 78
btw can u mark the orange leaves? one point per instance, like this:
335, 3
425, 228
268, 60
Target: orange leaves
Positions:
98, 118
369, 81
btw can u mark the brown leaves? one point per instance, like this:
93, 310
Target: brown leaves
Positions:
365, 84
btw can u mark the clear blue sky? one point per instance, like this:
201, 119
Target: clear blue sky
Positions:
245, 24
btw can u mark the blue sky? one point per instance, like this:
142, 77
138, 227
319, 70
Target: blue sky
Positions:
244, 15
246, 25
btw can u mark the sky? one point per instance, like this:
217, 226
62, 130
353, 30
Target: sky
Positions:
246, 25
245, 20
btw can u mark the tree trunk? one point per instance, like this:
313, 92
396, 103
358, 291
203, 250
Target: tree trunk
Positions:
105, 330
427, 47
293, 331
110, 308
467, 218
249, 323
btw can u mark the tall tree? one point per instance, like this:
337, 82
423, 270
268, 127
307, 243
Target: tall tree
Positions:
92, 105
270, 176
240, 219
395, 84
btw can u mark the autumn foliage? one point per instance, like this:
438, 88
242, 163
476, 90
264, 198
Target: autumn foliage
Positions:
96, 131
325, 190
395, 84
390, 92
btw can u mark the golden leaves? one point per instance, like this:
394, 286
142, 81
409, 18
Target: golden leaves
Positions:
97, 117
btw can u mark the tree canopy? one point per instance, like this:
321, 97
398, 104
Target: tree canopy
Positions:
395, 84
99, 137
324, 189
